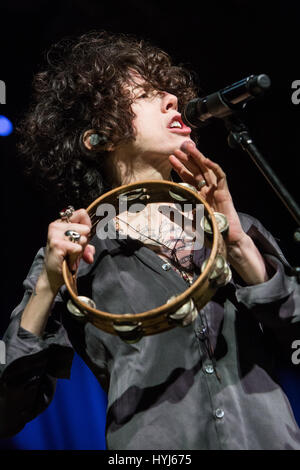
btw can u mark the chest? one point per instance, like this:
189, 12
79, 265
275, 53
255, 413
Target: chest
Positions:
164, 229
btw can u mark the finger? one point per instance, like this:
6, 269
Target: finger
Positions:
81, 216
82, 240
182, 171
73, 255
210, 165
198, 177
220, 174
186, 159
198, 168
64, 247
61, 227
200, 161
88, 254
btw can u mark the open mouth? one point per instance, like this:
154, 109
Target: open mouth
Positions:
176, 124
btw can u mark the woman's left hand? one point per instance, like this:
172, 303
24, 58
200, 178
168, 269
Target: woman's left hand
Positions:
242, 253
193, 168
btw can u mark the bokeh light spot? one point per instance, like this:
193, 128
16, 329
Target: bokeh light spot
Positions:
6, 126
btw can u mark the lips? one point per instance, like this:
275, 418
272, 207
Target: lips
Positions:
179, 130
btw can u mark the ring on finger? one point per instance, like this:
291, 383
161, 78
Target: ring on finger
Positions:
201, 184
73, 236
65, 214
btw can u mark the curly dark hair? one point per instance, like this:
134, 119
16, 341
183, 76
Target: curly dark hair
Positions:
83, 88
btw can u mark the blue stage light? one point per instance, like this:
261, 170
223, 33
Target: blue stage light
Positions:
6, 126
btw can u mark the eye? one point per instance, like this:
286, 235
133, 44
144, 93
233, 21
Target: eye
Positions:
144, 95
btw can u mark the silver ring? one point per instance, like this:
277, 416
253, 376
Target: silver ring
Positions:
65, 214
73, 236
201, 184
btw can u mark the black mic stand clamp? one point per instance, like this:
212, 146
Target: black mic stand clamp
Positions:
239, 138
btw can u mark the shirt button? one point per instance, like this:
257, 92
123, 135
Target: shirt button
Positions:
209, 369
219, 413
202, 332
166, 266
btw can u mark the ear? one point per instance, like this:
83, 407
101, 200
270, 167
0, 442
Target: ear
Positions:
94, 141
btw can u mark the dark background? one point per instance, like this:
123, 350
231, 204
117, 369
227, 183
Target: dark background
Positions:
222, 41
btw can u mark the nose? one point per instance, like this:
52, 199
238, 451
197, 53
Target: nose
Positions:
168, 102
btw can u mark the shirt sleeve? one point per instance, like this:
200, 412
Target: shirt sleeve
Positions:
32, 363
276, 302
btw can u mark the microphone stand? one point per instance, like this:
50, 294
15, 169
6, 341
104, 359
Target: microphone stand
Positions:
239, 138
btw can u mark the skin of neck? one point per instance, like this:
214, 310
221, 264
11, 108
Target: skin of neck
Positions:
124, 167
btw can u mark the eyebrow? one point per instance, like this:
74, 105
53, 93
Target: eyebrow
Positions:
141, 87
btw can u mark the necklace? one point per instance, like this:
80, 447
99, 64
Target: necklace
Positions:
177, 265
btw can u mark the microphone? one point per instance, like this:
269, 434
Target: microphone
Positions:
226, 101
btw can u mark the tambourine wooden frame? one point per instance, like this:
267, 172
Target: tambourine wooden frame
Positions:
201, 291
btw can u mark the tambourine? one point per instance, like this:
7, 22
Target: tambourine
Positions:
179, 310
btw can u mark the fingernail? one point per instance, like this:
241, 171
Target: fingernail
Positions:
186, 143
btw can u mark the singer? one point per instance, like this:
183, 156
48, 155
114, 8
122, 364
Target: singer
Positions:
107, 112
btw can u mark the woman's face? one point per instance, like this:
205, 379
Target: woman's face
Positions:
159, 129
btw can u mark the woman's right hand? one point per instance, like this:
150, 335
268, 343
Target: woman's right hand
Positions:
59, 247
